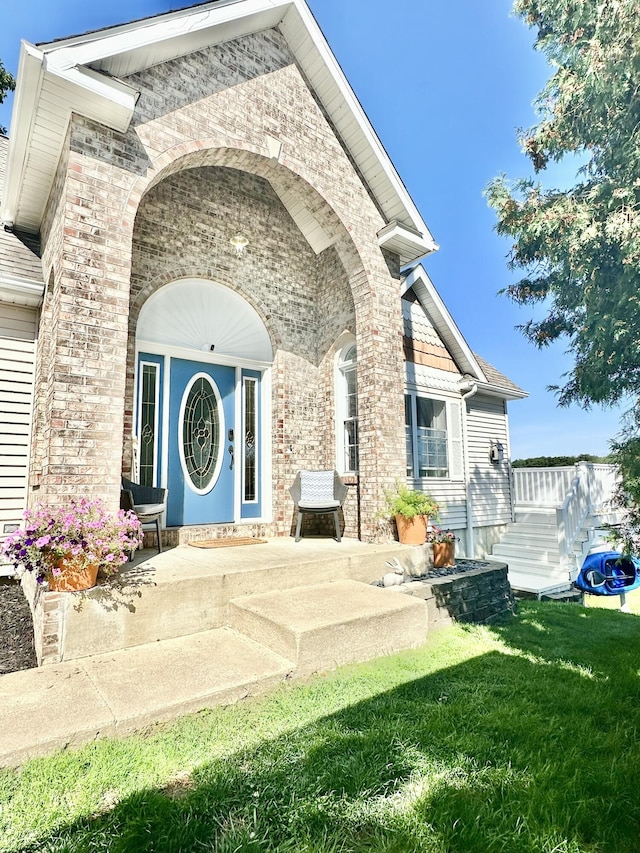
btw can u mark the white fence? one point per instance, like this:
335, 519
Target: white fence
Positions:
548, 487
542, 486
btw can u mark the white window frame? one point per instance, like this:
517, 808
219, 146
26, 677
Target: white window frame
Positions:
157, 371
342, 367
455, 450
415, 473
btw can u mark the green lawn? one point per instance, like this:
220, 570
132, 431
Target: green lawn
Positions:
522, 737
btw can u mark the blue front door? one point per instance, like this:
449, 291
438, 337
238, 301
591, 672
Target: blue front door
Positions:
201, 473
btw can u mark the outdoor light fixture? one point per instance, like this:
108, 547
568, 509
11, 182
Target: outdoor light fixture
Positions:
496, 454
239, 243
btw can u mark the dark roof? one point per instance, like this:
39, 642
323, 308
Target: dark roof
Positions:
19, 252
171, 11
494, 377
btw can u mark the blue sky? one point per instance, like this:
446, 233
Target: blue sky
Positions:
445, 83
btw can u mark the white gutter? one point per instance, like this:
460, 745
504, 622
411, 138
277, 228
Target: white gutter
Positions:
20, 291
467, 469
501, 392
29, 83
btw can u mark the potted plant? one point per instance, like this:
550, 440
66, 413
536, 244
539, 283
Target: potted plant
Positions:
412, 510
67, 545
444, 543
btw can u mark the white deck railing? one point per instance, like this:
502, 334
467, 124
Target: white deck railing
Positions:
542, 487
575, 492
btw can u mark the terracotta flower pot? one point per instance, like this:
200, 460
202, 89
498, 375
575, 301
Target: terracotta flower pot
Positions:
74, 576
412, 531
443, 554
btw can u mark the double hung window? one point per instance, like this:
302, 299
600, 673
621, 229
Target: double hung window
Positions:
426, 434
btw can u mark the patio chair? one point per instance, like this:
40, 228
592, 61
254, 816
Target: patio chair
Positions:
147, 502
318, 492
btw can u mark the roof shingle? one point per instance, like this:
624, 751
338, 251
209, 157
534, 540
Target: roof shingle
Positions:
19, 252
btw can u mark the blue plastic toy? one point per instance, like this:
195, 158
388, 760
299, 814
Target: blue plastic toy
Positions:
608, 573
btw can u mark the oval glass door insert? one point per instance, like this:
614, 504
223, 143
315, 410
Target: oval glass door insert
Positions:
201, 429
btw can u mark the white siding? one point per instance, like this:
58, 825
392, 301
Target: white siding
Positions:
489, 487
17, 362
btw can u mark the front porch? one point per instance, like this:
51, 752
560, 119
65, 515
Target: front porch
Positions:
188, 590
191, 628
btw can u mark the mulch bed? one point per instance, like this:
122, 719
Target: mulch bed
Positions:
16, 629
460, 568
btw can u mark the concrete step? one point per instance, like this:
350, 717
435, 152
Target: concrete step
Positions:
187, 590
69, 703
325, 625
566, 596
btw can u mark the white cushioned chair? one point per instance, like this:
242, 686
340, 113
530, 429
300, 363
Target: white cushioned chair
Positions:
318, 492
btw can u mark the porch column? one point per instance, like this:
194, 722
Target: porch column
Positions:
380, 393
80, 384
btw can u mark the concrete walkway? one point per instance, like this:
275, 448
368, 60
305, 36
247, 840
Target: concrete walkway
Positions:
69, 703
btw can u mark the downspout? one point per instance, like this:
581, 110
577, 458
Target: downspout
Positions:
472, 389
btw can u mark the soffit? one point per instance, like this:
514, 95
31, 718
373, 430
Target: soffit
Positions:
81, 74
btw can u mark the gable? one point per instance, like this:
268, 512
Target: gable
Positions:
84, 75
417, 286
240, 78
421, 342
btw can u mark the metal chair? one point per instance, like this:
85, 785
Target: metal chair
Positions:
147, 502
318, 492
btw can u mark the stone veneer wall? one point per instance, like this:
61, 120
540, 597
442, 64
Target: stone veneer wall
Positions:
218, 107
477, 595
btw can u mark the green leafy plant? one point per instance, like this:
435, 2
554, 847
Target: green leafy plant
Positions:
7, 84
411, 502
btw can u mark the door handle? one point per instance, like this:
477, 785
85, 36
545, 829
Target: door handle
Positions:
231, 454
